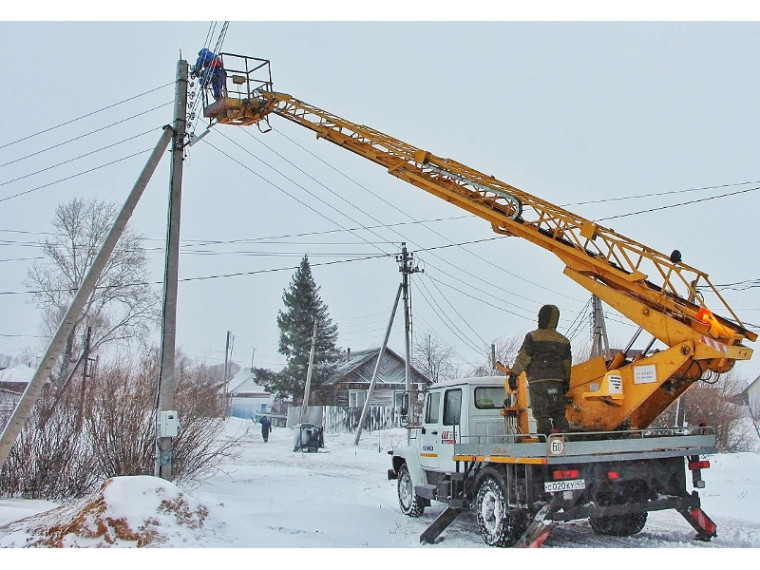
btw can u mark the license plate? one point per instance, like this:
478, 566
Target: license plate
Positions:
570, 485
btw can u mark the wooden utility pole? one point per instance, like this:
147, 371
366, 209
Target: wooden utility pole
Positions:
307, 388
166, 381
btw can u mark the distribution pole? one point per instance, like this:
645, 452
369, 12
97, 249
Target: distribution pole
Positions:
600, 345
227, 356
33, 390
377, 368
166, 381
405, 261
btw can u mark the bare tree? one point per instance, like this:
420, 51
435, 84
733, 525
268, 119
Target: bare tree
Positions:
713, 403
434, 359
123, 307
505, 349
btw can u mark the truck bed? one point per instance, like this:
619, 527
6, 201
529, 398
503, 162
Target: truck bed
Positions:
587, 447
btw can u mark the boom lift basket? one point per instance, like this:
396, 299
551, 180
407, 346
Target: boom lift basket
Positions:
244, 77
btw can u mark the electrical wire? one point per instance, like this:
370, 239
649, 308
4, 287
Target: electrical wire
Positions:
679, 204
70, 121
77, 158
281, 189
122, 159
85, 135
657, 194
383, 200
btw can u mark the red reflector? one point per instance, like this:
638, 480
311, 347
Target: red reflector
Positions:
612, 475
699, 465
567, 474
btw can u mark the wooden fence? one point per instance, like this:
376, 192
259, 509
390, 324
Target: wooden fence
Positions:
336, 419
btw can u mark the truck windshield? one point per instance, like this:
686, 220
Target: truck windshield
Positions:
489, 398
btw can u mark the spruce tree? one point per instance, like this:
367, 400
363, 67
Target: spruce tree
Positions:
303, 308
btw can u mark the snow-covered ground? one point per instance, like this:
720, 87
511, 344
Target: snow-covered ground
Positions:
340, 498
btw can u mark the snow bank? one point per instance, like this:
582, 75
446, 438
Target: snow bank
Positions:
125, 511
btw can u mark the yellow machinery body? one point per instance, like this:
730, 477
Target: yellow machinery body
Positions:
657, 292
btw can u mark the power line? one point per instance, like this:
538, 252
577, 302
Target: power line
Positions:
76, 175
70, 121
679, 204
656, 194
85, 135
77, 157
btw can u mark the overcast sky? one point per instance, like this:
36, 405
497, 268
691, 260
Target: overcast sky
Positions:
587, 115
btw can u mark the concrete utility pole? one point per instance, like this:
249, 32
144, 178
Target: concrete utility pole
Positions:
405, 261
377, 368
166, 382
34, 388
307, 388
600, 345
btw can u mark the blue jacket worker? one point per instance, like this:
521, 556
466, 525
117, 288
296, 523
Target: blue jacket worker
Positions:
209, 68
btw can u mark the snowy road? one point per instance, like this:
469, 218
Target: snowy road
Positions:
340, 498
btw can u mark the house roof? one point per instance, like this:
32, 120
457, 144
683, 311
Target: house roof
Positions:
17, 374
362, 358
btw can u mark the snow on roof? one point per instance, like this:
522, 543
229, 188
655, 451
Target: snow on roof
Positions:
21, 373
243, 382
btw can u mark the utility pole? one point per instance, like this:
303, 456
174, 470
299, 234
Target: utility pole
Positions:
227, 364
33, 390
405, 261
166, 381
600, 345
377, 368
307, 388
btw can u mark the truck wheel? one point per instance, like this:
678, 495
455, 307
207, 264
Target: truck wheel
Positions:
411, 504
621, 525
498, 526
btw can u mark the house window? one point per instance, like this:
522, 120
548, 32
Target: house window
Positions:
356, 398
398, 399
452, 407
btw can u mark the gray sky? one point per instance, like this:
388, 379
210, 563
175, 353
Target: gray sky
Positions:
572, 112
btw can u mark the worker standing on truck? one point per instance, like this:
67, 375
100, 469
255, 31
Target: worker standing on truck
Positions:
546, 359
209, 68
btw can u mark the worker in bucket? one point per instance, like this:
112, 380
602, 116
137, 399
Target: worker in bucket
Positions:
209, 68
546, 359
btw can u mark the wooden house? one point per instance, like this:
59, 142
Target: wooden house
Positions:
349, 386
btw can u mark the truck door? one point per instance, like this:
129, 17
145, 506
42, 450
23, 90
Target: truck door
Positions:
431, 431
451, 432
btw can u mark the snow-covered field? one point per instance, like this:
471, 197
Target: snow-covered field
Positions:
340, 498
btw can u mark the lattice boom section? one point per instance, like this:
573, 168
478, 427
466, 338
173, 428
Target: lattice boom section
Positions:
610, 257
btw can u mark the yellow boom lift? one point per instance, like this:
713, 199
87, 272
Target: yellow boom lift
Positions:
658, 292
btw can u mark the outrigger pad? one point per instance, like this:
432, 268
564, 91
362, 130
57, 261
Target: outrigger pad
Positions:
439, 525
540, 528
705, 527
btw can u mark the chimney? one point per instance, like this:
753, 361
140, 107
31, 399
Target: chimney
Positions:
348, 354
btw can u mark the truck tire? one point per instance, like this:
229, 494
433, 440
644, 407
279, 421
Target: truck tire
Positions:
621, 525
411, 504
497, 524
